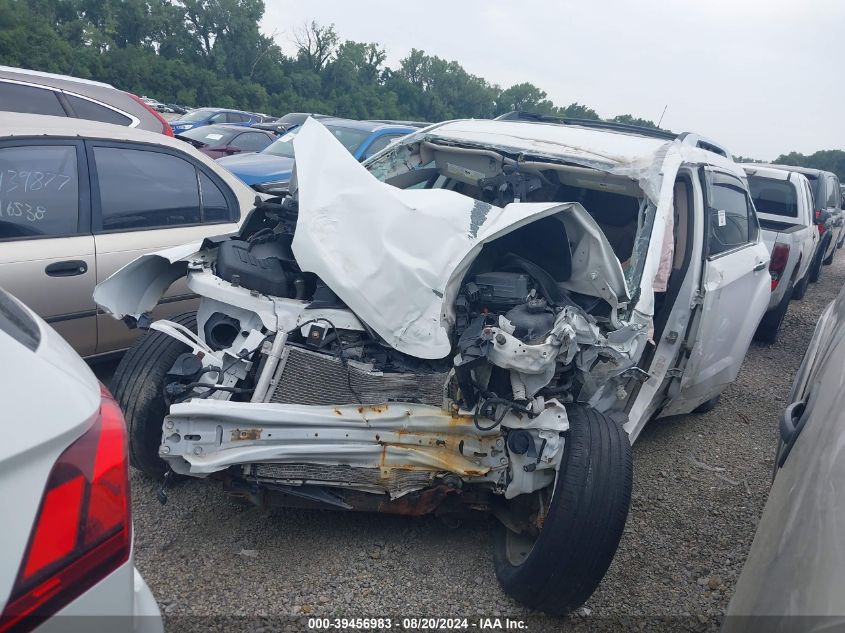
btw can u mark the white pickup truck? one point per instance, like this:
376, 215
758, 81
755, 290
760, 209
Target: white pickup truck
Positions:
784, 204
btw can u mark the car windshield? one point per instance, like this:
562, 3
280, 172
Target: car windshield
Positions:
211, 134
777, 197
351, 139
197, 115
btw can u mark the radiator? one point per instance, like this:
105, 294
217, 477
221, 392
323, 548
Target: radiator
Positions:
321, 379
394, 480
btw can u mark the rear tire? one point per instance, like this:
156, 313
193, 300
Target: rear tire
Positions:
829, 259
767, 331
801, 289
138, 387
567, 560
816, 268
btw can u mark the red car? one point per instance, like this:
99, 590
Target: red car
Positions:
225, 140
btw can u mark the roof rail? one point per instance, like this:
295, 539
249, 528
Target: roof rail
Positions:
518, 115
688, 138
419, 124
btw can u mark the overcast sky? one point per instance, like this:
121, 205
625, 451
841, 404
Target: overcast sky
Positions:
763, 77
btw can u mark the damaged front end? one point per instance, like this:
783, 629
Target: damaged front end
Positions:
366, 347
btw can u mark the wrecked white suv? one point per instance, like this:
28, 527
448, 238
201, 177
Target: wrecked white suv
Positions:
480, 318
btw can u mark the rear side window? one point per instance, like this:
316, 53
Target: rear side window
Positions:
142, 189
252, 141
777, 197
214, 205
817, 189
731, 220
39, 191
18, 98
91, 111
834, 195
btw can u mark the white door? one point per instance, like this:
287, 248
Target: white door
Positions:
735, 291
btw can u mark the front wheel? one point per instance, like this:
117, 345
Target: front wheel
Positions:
557, 568
138, 387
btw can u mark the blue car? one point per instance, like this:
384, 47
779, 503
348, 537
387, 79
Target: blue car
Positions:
209, 116
269, 171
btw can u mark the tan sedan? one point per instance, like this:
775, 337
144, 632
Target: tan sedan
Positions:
79, 199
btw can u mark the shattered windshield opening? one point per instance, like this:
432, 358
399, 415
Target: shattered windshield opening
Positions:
617, 203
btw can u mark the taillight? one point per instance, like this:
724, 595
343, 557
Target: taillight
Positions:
165, 126
780, 255
83, 529
819, 223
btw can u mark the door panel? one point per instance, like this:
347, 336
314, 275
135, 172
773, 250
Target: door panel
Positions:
736, 287
65, 302
46, 246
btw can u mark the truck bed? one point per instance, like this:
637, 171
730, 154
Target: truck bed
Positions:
780, 227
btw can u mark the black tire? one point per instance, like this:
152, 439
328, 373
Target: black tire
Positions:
816, 268
704, 407
585, 520
138, 387
801, 289
767, 330
829, 259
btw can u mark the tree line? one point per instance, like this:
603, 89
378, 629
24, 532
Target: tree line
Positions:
211, 52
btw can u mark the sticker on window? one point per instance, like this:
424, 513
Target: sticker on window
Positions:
214, 137
722, 220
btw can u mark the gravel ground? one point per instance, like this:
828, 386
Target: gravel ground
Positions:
688, 532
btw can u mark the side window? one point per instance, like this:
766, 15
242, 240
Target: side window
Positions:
220, 117
380, 143
252, 141
18, 98
39, 191
142, 189
730, 217
834, 193
214, 205
91, 111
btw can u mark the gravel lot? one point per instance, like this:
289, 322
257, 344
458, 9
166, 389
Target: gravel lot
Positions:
687, 536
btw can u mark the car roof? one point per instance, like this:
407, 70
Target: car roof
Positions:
22, 73
550, 139
603, 147
13, 124
211, 109
363, 126
807, 171
17, 125
766, 171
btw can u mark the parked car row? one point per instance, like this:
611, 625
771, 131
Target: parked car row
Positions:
801, 217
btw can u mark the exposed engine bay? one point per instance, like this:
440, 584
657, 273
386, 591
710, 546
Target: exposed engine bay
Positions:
394, 376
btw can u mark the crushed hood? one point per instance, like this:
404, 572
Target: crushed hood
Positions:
396, 257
